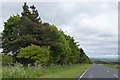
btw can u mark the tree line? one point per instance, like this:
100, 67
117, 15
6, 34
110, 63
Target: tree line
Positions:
30, 40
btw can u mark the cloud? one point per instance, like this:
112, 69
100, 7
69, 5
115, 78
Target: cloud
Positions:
59, 1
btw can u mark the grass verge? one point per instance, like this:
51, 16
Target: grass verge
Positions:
73, 71
66, 71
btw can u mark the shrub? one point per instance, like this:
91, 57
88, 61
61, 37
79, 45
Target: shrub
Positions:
7, 59
34, 54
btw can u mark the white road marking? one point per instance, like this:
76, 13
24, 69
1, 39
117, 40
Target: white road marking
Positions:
84, 73
115, 75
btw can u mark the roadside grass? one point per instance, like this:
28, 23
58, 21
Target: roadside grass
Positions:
73, 71
112, 66
66, 71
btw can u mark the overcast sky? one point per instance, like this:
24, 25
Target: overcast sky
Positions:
93, 24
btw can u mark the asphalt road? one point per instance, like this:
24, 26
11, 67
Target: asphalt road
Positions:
97, 71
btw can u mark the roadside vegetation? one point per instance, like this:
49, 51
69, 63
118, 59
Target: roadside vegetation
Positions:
38, 71
33, 48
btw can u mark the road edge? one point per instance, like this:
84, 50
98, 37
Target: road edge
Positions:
84, 73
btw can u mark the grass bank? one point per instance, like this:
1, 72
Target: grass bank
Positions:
66, 71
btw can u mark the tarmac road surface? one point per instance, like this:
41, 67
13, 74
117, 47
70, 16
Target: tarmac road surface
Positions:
96, 72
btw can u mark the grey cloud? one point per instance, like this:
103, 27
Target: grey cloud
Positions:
50, 10
106, 35
10, 8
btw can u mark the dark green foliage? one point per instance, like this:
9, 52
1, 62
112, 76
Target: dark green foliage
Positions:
7, 60
83, 57
65, 49
34, 54
74, 55
11, 28
32, 15
10, 33
22, 31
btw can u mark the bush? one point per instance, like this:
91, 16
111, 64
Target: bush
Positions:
34, 54
7, 59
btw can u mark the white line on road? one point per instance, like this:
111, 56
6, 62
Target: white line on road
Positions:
115, 75
84, 73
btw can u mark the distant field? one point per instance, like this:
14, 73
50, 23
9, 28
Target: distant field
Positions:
112, 66
66, 71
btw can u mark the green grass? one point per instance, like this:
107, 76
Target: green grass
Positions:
66, 71
73, 71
